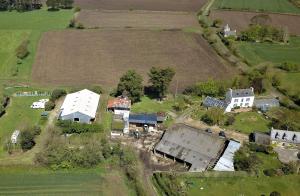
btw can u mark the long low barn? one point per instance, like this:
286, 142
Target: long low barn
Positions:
192, 146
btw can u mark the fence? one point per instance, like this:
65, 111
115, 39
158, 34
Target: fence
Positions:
32, 94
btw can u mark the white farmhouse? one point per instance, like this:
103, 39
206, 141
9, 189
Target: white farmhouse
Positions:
243, 98
228, 32
80, 106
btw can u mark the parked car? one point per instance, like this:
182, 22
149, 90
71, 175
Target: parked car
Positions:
222, 134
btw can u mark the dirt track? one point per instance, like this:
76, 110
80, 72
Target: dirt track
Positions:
136, 19
154, 5
101, 57
240, 20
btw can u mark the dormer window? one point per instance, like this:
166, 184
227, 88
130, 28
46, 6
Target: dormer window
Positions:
276, 135
284, 136
294, 137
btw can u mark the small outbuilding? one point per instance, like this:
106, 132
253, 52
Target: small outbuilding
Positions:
261, 138
265, 104
285, 136
14, 136
120, 106
80, 106
143, 119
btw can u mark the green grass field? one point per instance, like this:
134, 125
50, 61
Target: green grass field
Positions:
16, 27
18, 115
248, 122
256, 53
278, 6
39, 181
147, 105
211, 186
291, 83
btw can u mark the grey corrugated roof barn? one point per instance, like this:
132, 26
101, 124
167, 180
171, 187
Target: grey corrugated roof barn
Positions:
190, 145
285, 136
265, 104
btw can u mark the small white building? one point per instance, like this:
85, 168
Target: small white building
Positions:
39, 104
227, 32
80, 106
243, 98
14, 136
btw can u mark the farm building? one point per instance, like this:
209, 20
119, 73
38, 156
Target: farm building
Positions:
243, 98
265, 104
195, 148
161, 117
214, 102
225, 163
14, 136
285, 136
261, 138
143, 119
120, 106
227, 32
80, 106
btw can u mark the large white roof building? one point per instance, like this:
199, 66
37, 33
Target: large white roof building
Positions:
80, 106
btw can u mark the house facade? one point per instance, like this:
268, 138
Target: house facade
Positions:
285, 136
243, 98
80, 106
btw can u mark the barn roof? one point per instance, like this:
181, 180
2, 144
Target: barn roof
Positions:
84, 101
285, 136
225, 163
143, 118
243, 92
119, 102
190, 145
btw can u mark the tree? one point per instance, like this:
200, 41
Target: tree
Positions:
50, 105
57, 93
27, 140
66, 4
161, 79
132, 83
217, 23
53, 4
275, 193
4, 5
213, 116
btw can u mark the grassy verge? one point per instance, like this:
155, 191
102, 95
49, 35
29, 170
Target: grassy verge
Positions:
147, 105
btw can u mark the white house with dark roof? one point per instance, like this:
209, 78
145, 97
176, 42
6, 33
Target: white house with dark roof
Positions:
228, 32
80, 106
243, 98
285, 136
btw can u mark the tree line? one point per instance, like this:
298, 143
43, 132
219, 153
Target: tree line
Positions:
20, 5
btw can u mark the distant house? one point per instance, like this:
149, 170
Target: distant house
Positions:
80, 106
120, 106
225, 163
285, 136
243, 98
265, 104
214, 102
143, 119
261, 138
227, 32
197, 149
14, 136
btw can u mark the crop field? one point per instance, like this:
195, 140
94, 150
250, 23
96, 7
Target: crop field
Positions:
241, 20
38, 181
278, 6
256, 53
137, 19
154, 5
101, 57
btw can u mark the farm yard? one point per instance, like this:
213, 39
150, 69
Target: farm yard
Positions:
276, 6
136, 19
240, 20
101, 57
154, 5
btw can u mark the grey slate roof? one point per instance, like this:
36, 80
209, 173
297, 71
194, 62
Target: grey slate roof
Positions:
242, 93
191, 145
214, 102
285, 136
262, 138
266, 104
143, 119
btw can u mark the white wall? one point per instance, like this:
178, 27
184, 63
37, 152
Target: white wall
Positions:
243, 102
82, 117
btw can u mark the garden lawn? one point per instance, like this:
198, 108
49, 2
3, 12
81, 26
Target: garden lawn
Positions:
18, 115
278, 6
256, 53
248, 122
16, 27
211, 186
147, 105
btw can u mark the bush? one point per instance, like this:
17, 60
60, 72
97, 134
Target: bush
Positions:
57, 93
214, 116
270, 172
244, 160
77, 9
230, 120
290, 168
291, 67
27, 140
209, 88
72, 23
261, 148
36, 130
50, 105
22, 51
275, 193
80, 26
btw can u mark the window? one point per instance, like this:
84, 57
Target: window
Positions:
236, 100
76, 119
241, 104
242, 100
248, 99
246, 104
234, 105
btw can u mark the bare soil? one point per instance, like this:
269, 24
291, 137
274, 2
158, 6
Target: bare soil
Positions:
154, 5
101, 56
240, 20
137, 19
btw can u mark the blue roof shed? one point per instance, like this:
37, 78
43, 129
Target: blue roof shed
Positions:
150, 119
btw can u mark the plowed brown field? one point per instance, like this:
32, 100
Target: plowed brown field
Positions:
101, 57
